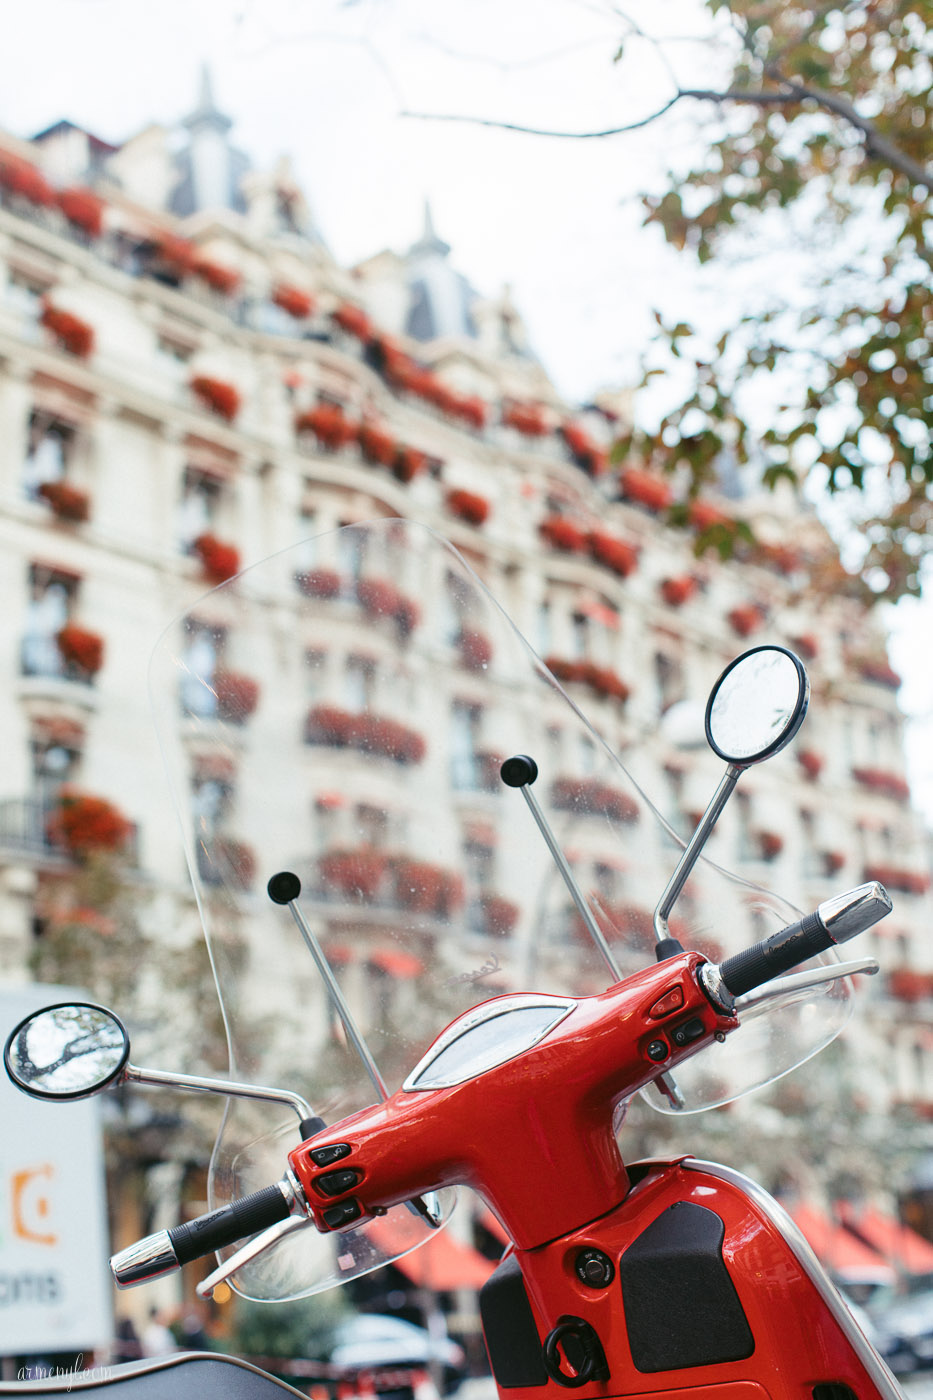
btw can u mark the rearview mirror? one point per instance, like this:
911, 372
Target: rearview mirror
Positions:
67, 1051
757, 705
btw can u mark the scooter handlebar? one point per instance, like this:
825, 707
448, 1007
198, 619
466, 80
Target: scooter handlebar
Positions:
835, 921
168, 1250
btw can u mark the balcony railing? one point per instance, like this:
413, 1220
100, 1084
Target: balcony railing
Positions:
26, 823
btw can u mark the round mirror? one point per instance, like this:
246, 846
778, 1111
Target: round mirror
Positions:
67, 1051
757, 705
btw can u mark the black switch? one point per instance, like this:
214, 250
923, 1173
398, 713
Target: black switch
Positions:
335, 1183
688, 1032
324, 1156
342, 1214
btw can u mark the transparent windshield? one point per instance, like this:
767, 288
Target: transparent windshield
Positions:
342, 711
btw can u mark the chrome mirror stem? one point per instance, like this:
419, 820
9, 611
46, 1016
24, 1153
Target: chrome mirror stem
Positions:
231, 1088
692, 852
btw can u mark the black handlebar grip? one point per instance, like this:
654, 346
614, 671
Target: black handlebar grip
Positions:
219, 1228
779, 953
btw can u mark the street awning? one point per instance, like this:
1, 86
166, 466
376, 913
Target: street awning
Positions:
900, 1245
442, 1264
838, 1250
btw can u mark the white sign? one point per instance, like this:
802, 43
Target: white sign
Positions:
55, 1293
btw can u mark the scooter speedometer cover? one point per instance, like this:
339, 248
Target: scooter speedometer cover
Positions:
341, 710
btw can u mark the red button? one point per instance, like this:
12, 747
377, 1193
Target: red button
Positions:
671, 1001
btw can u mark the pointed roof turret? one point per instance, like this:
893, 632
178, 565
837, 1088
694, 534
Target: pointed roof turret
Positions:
429, 242
207, 113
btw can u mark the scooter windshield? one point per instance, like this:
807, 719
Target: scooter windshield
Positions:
342, 711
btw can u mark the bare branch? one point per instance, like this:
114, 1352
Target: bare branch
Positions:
539, 131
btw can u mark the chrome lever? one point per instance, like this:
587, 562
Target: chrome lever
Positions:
801, 981
252, 1250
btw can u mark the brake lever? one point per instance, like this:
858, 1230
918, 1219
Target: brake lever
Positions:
252, 1250
801, 981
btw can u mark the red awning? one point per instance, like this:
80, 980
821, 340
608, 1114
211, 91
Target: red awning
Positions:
396, 962
489, 1222
900, 1245
838, 1250
443, 1263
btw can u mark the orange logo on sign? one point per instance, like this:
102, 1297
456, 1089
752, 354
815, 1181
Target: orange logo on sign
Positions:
31, 1205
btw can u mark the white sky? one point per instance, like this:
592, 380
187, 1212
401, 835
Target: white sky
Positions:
327, 82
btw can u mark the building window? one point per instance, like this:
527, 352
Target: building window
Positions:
49, 454
200, 506
52, 601
54, 764
372, 823
203, 655
669, 677
465, 765
351, 557
359, 683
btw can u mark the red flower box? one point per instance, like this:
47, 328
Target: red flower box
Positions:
621, 558
319, 583
473, 410
593, 797
604, 681
770, 844
83, 209
377, 445
745, 619
217, 395
81, 648
237, 696
499, 915
176, 255
646, 488
561, 533
897, 878
218, 277
409, 463
380, 598
426, 888
372, 734
475, 649
221, 561
810, 762
353, 320
908, 985
879, 673
527, 418
807, 646
329, 425
328, 724
358, 873
83, 823
26, 180
235, 860
880, 780
833, 861
73, 334
66, 501
469, 506
572, 672
297, 303
588, 454
703, 516
677, 591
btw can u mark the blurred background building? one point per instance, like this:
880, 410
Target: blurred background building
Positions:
188, 383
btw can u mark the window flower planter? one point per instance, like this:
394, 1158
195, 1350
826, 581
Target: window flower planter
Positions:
66, 502
81, 649
527, 418
880, 780
72, 334
646, 489
592, 797
237, 696
217, 395
84, 210
615, 554
745, 620
293, 300
379, 598
896, 877
319, 583
499, 915
370, 734
21, 178
806, 646
469, 506
703, 516
409, 463
677, 591
83, 824
833, 861
770, 844
878, 673
811, 763
218, 277
475, 649
377, 445
586, 453
561, 533
353, 320
473, 410
329, 425
908, 985
426, 888
357, 874
174, 256
220, 561
601, 679
235, 862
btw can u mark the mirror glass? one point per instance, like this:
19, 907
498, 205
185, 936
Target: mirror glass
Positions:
66, 1051
757, 705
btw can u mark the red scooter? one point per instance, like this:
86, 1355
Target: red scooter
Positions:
665, 1277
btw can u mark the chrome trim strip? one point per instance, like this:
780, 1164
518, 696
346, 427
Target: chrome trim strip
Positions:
878, 1371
